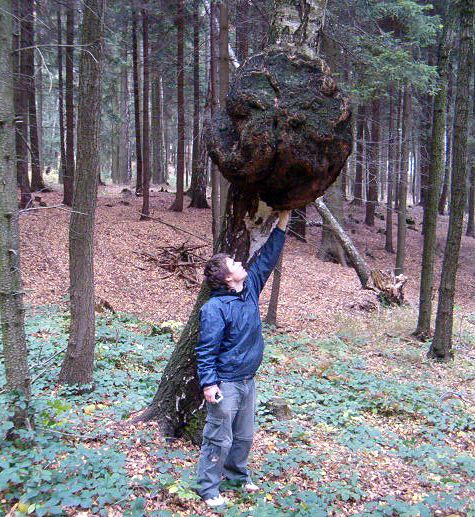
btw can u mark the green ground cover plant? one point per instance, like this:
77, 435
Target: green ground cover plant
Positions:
367, 436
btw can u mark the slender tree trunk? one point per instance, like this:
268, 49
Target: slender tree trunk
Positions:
360, 122
62, 143
271, 317
471, 204
330, 248
21, 112
223, 86
401, 220
138, 139
243, 24
78, 363
177, 205
448, 147
70, 166
157, 126
391, 160
373, 169
441, 346
215, 193
146, 121
15, 352
29, 79
431, 196
298, 224
198, 175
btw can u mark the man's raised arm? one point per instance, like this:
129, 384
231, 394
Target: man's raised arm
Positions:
263, 265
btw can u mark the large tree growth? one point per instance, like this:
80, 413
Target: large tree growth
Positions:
280, 139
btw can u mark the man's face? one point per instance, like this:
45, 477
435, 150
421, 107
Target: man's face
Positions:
236, 272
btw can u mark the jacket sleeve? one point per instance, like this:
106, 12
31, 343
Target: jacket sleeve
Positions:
266, 260
212, 325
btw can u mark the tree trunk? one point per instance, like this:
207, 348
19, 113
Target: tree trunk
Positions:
157, 127
243, 24
15, 351
357, 261
373, 169
78, 363
70, 166
21, 112
388, 246
360, 123
215, 194
146, 121
441, 346
223, 86
27, 27
177, 205
448, 146
271, 317
401, 220
121, 148
198, 174
62, 143
471, 204
298, 224
330, 247
431, 196
138, 139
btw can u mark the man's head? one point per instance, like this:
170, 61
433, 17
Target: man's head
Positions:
221, 271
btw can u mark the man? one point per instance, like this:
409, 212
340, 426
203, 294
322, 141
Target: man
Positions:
229, 352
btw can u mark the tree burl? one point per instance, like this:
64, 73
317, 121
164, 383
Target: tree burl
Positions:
285, 130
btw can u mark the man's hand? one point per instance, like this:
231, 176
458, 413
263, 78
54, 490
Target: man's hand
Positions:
284, 216
210, 393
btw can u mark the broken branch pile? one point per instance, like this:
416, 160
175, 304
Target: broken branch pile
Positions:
182, 261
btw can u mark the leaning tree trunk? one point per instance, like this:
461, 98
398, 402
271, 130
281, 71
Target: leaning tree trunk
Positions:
431, 195
441, 347
15, 351
78, 363
283, 164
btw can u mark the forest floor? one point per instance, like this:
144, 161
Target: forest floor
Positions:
376, 428
314, 295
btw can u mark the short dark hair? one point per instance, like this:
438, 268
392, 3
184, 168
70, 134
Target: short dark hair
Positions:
216, 271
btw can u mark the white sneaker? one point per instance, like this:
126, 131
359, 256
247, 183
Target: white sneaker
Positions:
251, 487
214, 502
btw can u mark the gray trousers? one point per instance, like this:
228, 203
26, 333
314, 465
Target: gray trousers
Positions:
227, 437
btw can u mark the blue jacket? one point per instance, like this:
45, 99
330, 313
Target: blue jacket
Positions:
230, 345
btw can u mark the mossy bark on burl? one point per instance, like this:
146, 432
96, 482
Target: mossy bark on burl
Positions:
280, 139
